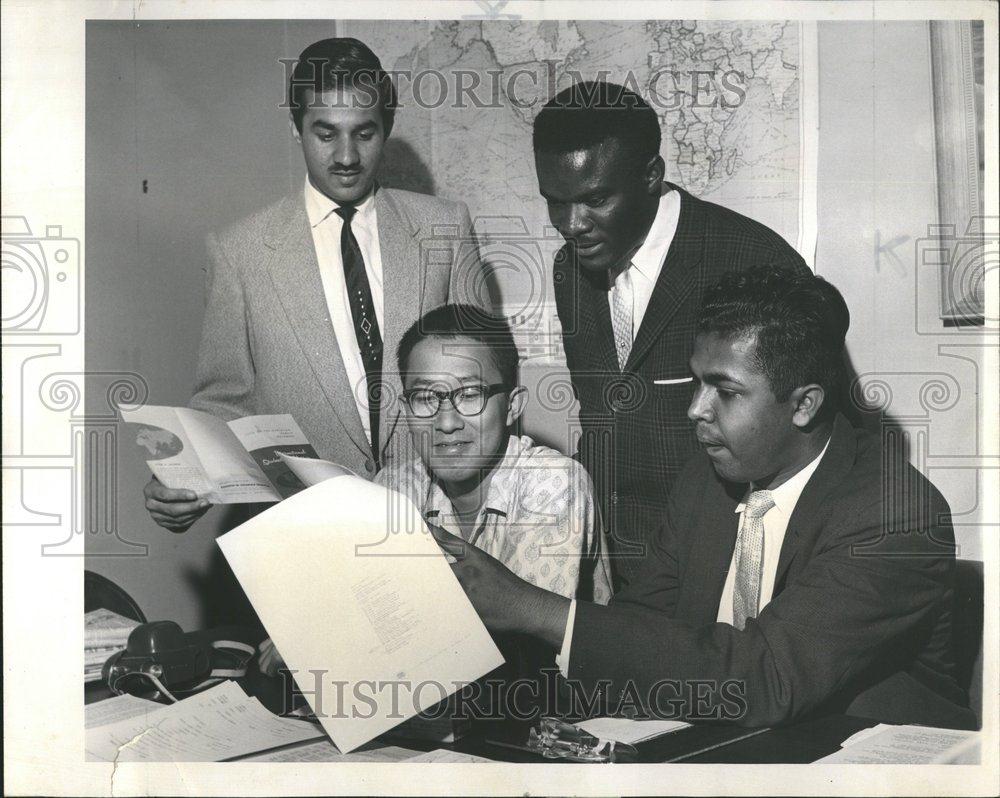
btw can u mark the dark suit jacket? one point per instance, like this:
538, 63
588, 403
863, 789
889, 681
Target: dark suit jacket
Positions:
859, 622
636, 434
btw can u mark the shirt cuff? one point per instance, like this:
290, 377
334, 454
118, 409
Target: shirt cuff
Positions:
562, 658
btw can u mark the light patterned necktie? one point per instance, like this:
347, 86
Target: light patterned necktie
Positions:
750, 557
622, 301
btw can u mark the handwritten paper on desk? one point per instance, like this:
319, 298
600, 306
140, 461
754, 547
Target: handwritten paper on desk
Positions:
121, 707
362, 605
906, 745
325, 751
220, 723
443, 755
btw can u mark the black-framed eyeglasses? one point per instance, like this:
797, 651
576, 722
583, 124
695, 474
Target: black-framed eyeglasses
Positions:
469, 400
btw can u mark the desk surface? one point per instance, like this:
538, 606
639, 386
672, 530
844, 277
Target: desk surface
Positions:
718, 743
800, 743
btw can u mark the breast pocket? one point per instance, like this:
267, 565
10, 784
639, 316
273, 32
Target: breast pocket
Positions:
671, 396
674, 381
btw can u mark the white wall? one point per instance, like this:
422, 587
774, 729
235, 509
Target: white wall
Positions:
158, 111
877, 189
193, 110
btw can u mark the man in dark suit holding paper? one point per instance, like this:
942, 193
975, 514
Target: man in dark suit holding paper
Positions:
792, 574
639, 254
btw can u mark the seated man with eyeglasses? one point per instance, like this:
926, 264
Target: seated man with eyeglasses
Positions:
526, 505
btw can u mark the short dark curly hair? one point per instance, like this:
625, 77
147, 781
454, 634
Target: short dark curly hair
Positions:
594, 111
799, 323
465, 321
335, 63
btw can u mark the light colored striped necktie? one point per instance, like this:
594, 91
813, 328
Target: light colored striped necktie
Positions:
749, 557
622, 302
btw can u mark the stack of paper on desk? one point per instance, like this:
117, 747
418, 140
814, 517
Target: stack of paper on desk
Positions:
886, 744
104, 633
217, 724
362, 605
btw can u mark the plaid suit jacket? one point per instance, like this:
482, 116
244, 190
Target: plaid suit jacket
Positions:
635, 430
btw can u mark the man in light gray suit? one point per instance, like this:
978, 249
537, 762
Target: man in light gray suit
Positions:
306, 295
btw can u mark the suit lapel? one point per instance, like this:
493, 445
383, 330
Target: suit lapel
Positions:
712, 552
403, 275
678, 276
294, 273
806, 517
594, 317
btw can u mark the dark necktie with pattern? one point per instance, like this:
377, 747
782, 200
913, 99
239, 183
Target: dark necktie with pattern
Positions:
365, 322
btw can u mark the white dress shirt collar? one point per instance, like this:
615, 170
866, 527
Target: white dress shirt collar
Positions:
319, 206
787, 494
649, 258
644, 269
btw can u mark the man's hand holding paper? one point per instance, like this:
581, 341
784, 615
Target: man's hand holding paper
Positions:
505, 602
173, 508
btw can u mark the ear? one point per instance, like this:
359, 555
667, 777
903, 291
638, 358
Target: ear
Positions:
653, 174
516, 402
295, 131
806, 402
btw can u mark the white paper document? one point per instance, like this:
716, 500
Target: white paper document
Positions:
623, 730
112, 710
451, 757
326, 751
220, 723
362, 605
905, 745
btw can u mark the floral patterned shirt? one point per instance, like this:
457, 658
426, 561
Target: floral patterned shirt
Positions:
538, 519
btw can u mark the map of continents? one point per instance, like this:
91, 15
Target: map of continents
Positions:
726, 93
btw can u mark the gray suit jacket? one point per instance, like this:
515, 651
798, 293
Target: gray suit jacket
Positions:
268, 345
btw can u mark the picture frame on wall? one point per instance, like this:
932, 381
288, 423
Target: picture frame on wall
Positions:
962, 231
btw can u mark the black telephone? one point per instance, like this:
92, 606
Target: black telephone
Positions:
160, 658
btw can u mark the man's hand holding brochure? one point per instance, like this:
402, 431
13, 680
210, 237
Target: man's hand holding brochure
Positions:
199, 460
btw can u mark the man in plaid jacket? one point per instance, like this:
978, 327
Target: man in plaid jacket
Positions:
639, 254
